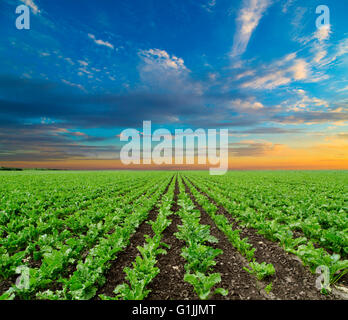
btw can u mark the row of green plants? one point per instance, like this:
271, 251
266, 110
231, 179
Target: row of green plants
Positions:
43, 236
26, 198
116, 228
144, 268
200, 257
23, 223
304, 248
316, 210
47, 239
90, 272
260, 270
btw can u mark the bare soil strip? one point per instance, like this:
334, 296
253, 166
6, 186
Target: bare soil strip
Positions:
292, 280
6, 284
239, 283
169, 283
115, 274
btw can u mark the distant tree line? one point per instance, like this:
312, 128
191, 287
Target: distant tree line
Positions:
10, 169
21, 169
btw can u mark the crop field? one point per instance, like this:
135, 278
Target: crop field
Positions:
149, 235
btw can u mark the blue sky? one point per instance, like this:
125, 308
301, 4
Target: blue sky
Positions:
88, 69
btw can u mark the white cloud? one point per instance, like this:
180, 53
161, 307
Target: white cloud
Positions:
160, 58
69, 61
245, 105
166, 72
32, 5
342, 48
306, 103
247, 21
269, 81
299, 69
74, 85
323, 33
282, 72
342, 89
319, 45
82, 63
299, 19
286, 5
244, 74
100, 42
209, 5
319, 55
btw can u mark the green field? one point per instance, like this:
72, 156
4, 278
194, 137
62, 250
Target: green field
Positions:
72, 235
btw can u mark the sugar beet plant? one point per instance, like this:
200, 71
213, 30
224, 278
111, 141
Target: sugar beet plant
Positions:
112, 233
144, 268
260, 270
199, 256
63, 229
33, 231
277, 219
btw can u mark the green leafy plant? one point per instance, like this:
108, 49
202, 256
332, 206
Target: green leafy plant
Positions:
203, 284
200, 257
260, 270
268, 288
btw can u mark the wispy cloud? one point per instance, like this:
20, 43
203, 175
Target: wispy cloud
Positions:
74, 85
32, 5
161, 58
286, 5
281, 72
248, 105
209, 5
342, 89
320, 45
248, 19
307, 103
323, 33
340, 50
166, 72
100, 42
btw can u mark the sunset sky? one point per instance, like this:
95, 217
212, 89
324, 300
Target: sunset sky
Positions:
86, 70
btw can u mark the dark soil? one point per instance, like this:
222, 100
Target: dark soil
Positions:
6, 284
239, 283
344, 280
32, 263
115, 275
169, 283
292, 280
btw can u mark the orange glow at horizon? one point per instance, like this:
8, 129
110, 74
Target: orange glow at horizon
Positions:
332, 154
234, 164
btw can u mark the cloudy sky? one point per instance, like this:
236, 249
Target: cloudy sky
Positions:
86, 70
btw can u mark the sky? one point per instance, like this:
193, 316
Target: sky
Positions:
86, 70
